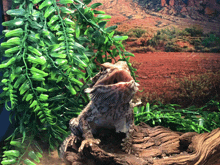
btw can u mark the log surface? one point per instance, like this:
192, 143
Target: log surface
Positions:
150, 145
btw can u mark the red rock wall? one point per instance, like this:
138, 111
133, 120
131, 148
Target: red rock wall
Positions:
210, 7
163, 2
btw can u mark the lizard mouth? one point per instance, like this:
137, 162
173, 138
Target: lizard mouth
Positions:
115, 77
113, 85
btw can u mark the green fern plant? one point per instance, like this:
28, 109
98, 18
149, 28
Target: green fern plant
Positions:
191, 119
50, 54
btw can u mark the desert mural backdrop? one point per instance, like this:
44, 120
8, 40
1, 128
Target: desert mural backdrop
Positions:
176, 44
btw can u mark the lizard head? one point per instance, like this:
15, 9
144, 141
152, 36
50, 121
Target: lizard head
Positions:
113, 83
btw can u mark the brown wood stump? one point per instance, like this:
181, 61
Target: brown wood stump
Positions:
150, 145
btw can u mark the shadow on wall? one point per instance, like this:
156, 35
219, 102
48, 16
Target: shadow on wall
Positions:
6, 129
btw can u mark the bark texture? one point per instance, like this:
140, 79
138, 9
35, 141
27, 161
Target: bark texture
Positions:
150, 145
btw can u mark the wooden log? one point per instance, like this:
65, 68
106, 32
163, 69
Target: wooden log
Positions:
151, 145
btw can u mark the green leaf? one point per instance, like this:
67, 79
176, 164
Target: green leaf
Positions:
65, 1
93, 23
45, 4
61, 38
58, 55
76, 45
110, 29
118, 38
36, 14
9, 153
61, 62
77, 30
6, 45
55, 27
102, 24
66, 10
35, 70
39, 89
59, 33
78, 1
70, 30
49, 11
28, 162
50, 36
38, 60
55, 48
38, 148
14, 33
95, 5
16, 12
36, 25
17, 1
24, 87
101, 16
71, 89
14, 41
16, 144
20, 80
34, 50
106, 40
98, 12
11, 61
12, 50
57, 98
43, 97
111, 34
76, 81
14, 22
87, 1
36, 1
34, 103
29, 97
53, 19
9, 161
4, 81
69, 21
128, 54
85, 57
37, 77
77, 59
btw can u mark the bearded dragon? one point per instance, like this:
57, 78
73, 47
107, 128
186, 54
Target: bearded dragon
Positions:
110, 107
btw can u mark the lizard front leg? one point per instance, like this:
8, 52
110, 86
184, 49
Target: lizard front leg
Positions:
87, 134
128, 140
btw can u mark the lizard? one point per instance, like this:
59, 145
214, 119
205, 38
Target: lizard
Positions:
111, 92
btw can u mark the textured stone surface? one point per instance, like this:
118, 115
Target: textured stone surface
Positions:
201, 10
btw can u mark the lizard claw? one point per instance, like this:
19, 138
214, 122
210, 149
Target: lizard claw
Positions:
87, 143
77, 139
127, 145
128, 141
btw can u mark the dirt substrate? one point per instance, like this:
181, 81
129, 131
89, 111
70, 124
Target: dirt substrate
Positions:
158, 71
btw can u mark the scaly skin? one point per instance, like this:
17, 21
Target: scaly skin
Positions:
110, 106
